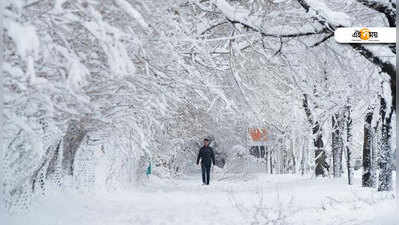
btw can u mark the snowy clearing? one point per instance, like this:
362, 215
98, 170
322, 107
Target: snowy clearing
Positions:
257, 200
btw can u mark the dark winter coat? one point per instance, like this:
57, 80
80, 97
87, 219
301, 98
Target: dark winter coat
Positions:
206, 155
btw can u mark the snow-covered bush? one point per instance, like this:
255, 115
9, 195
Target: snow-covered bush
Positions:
271, 211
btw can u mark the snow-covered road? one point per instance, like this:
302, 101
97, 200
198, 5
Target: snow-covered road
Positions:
259, 199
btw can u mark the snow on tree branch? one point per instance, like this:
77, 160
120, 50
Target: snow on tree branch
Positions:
133, 13
244, 17
388, 9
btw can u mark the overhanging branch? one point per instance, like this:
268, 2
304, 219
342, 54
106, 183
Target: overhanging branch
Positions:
385, 66
293, 35
389, 10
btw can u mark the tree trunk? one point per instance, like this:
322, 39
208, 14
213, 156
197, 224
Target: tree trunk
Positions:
271, 161
266, 158
320, 155
292, 144
337, 143
284, 160
385, 155
367, 143
47, 167
348, 144
71, 142
66, 149
376, 145
304, 154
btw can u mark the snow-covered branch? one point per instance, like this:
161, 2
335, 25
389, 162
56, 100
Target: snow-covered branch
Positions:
388, 9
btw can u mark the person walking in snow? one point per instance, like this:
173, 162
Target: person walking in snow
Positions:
207, 158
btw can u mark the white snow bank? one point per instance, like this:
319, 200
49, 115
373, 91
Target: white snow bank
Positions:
301, 200
55, 208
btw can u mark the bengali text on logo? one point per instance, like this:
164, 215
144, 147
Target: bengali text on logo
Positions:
365, 35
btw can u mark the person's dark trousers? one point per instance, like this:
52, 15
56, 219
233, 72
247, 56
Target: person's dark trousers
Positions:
206, 173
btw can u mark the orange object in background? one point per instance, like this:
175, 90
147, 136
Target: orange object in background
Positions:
258, 134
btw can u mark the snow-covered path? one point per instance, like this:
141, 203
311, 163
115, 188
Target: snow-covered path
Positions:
299, 200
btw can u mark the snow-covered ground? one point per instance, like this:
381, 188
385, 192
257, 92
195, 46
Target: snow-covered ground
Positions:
258, 199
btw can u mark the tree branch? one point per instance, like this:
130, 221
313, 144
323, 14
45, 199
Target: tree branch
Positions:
212, 26
387, 10
293, 35
385, 66
322, 40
